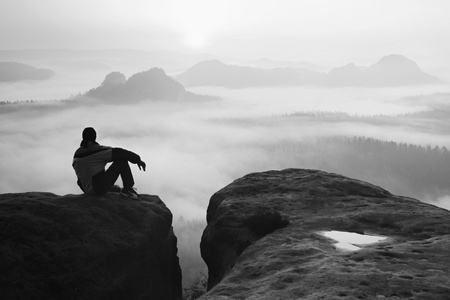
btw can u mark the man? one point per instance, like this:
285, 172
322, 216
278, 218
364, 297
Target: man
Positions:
89, 162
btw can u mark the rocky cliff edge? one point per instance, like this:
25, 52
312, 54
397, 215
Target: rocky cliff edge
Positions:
298, 261
82, 247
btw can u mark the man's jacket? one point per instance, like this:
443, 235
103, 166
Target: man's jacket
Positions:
91, 160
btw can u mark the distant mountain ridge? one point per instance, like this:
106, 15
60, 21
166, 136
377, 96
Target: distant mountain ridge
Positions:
391, 70
266, 63
13, 71
129, 60
217, 73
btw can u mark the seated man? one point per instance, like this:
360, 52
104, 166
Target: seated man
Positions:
89, 163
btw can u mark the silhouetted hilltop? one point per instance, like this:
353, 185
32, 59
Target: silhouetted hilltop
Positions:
391, 70
265, 239
13, 71
114, 79
153, 84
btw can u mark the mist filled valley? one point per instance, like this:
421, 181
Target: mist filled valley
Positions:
197, 139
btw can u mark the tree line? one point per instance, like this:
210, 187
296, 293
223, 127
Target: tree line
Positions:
407, 169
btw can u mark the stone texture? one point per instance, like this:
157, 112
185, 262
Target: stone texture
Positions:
84, 247
297, 262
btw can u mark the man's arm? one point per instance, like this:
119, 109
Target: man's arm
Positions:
122, 154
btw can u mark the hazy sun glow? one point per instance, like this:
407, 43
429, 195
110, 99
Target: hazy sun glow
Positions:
196, 40
288, 29
197, 20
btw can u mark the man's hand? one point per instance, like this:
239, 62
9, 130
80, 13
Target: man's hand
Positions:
141, 164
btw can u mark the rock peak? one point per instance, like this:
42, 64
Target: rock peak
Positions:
86, 247
395, 59
299, 262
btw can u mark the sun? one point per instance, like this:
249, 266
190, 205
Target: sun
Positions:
199, 22
196, 40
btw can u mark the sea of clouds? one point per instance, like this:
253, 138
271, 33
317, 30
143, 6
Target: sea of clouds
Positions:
193, 149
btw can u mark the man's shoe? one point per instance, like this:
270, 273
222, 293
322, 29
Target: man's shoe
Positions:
131, 193
115, 189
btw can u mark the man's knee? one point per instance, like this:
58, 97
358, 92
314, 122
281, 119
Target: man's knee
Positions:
117, 167
121, 163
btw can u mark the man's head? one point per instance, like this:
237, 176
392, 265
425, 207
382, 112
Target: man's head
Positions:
89, 134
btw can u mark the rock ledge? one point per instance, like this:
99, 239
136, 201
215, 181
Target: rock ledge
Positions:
83, 247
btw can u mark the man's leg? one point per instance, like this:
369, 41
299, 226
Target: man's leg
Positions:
122, 168
105, 180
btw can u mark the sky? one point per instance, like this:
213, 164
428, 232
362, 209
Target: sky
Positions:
327, 30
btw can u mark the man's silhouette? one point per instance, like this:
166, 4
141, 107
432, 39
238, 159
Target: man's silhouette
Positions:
89, 162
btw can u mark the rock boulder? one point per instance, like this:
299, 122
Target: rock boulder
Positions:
84, 247
297, 261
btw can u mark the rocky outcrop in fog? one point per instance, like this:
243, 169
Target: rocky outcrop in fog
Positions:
293, 259
153, 84
83, 247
